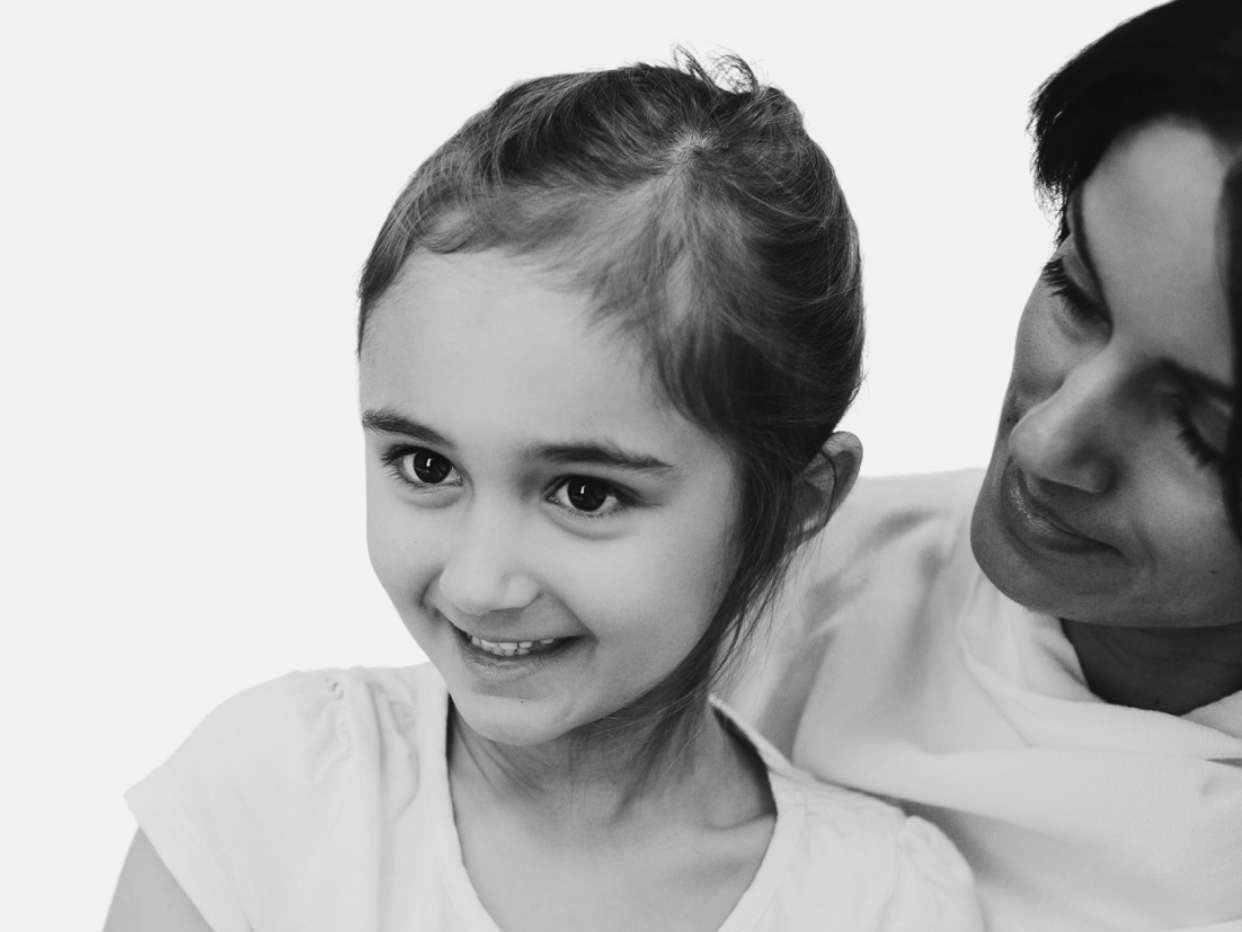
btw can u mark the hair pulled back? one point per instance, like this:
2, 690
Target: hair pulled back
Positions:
703, 221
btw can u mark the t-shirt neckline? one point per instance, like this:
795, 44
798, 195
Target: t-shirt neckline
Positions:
788, 825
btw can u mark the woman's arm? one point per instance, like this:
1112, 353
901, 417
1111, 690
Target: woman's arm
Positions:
148, 898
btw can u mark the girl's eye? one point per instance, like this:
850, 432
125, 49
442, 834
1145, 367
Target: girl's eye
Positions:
1080, 306
586, 496
420, 467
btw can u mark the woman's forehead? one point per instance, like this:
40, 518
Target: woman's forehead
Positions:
1146, 224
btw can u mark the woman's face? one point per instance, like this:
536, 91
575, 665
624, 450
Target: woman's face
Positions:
554, 535
1102, 502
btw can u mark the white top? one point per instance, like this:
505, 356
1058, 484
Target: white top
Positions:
320, 801
897, 668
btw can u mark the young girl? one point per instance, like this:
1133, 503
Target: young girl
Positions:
606, 334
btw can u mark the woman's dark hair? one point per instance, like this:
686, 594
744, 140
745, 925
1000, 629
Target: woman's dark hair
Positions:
1182, 60
706, 224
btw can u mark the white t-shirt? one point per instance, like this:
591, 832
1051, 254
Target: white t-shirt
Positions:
897, 668
320, 801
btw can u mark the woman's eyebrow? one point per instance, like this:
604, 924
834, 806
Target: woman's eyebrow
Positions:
1078, 229
388, 421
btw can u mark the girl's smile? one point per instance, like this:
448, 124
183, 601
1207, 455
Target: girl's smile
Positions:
506, 655
553, 533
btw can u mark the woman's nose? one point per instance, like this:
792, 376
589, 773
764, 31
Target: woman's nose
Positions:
1066, 437
483, 571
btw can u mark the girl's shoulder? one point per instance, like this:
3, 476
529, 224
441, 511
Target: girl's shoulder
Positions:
839, 818
859, 858
289, 788
894, 871
865, 859
306, 721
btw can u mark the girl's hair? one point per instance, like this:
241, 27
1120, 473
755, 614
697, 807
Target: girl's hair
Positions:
696, 211
1181, 60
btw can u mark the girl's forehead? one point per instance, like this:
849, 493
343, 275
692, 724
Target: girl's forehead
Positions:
487, 343
491, 286
477, 307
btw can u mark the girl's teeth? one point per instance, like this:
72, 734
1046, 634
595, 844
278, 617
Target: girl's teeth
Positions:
509, 648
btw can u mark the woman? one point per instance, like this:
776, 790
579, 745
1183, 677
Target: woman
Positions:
1046, 660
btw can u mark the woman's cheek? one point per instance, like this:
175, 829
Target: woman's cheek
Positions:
1042, 355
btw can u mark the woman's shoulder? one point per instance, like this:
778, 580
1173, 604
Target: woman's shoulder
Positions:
886, 523
886, 505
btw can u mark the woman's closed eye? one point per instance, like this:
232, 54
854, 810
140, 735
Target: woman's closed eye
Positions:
1194, 437
1081, 307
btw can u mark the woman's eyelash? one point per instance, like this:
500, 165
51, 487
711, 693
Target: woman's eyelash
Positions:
1203, 454
1083, 308
1060, 284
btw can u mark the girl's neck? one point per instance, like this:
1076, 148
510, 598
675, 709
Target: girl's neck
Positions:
591, 784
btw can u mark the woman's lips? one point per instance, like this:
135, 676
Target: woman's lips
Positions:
1036, 523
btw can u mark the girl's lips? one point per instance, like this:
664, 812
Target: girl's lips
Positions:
500, 645
516, 652
514, 648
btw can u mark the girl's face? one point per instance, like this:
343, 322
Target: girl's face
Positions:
1102, 502
554, 535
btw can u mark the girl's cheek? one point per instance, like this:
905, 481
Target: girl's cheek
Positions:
402, 545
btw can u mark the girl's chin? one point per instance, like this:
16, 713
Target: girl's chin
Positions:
508, 722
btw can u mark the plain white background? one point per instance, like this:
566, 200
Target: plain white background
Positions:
188, 193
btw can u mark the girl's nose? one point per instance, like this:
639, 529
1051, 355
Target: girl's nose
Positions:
482, 571
1065, 437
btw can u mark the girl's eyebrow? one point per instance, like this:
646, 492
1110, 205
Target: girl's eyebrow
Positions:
598, 453
592, 453
388, 421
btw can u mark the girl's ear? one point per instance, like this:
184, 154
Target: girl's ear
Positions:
828, 480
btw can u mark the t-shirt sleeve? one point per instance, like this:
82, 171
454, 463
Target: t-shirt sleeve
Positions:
932, 886
248, 795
